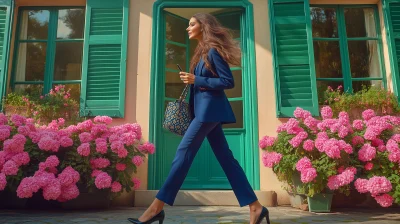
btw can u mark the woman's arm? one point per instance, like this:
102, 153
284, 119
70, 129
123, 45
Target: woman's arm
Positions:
225, 79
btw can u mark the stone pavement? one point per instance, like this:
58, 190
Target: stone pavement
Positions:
201, 214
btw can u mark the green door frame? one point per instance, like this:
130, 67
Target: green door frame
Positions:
252, 167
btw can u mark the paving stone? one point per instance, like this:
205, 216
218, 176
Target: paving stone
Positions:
200, 214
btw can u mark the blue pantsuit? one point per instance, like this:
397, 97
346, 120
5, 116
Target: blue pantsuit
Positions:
210, 109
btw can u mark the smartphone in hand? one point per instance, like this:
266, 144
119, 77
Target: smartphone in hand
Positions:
179, 67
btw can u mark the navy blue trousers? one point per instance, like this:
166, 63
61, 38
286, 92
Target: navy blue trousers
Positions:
187, 151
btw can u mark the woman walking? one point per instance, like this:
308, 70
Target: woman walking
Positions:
210, 75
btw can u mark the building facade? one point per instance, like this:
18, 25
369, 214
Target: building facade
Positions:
119, 57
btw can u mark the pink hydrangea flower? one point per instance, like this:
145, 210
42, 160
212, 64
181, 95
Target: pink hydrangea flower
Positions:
18, 120
147, 148
384, 200
44, 178
303, 163
368, 114
99, 163
371, 133
68, 176
101, 145
308, 175
85, 126
68, 193
136, 183
343, 132
103, 180
52, 191
21, 158
10, 168
368, 166
332, 149
122, 153
4, 134
84, 149
129, 138
137, 160
85, 137
366, 153
24, 130
379, 185
301, 113
16, 144
116, 187
66, 141
358, 125
271, 158
266, 141
345, 178
103, 119
333, 182
95, 173
344, 118
52, 161
311, 123
3, 181
298, 139
98, 129
361, 185
48, 143
326, 112
27, 187
120, 166
308, 145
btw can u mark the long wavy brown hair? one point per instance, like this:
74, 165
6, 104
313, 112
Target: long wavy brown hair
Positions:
215, 36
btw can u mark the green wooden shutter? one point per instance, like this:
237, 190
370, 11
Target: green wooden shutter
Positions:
392, 23
293, 56
104, 59
6, 8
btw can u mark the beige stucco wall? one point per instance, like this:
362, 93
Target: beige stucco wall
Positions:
139, 65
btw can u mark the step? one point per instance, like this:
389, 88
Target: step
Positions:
143, 198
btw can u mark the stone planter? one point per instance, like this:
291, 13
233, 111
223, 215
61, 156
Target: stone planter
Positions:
320, 202
99, 199
10, 200
298, 201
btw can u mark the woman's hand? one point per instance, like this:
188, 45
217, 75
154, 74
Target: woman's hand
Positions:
187, 77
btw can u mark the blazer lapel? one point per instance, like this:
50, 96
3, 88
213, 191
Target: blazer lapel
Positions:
200, 66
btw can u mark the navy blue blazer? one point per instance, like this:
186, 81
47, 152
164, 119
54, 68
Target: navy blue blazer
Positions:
208, 102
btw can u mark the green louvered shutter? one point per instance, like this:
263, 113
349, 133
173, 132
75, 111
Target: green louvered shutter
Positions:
392, 16
6, 7
105, 49
292, 46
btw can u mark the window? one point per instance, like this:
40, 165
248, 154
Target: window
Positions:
347, 47
49, 50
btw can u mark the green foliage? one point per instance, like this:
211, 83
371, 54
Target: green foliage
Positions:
377, 99
57, 103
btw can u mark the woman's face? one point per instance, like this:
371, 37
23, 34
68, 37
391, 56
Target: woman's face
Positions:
194, 29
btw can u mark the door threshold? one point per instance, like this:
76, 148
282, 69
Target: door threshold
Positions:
144, 198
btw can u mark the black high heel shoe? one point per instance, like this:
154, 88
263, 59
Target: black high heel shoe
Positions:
159, 217
264, 213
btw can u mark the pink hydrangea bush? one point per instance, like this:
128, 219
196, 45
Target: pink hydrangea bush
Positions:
57, 159
335, 153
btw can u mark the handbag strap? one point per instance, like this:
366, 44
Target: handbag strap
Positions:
184, 93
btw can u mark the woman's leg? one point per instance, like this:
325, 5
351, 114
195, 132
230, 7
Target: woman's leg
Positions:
185, 154
234, 172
